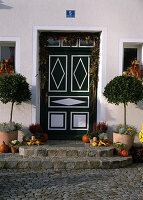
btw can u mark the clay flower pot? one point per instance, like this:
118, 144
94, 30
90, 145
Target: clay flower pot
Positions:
128, 140
14, 149
8, 136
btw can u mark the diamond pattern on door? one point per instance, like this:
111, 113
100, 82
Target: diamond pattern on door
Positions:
80, 73
58, 73
76, 77
68, 102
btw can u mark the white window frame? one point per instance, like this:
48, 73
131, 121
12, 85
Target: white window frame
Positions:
8, 41
130, 43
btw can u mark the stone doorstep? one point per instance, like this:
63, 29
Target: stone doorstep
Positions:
47, 151
20, 162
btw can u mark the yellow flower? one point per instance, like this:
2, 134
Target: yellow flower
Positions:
130, 129
141, 140
140, 135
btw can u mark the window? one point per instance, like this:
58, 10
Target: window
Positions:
69, 43
66, 42
86, 43
131, 52
7, 57
53, 42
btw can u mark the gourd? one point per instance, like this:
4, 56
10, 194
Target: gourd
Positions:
124, 153
4, 148
94, 144
101, 143
94, 139
85, 139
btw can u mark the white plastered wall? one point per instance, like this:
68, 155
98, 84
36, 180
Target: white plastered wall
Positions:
18, 19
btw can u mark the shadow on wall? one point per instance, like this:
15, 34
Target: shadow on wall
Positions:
140, 105
108, 117
3, 6
33, 100
112, 118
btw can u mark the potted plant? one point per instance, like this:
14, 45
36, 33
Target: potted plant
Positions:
100, 130
37, 132
14, 145
124, 89
124, 134
13, 89
9, 131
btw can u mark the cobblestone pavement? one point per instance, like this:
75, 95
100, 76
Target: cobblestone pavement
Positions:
115, 184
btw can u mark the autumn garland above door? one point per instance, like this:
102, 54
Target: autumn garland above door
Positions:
75, 40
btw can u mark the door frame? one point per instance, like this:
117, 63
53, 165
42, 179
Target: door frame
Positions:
101, 74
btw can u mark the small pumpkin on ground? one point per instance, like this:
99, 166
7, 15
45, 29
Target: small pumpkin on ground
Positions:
85, 139
4, 148
124, 153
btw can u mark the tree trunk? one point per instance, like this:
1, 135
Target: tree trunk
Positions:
11, 112
125, 114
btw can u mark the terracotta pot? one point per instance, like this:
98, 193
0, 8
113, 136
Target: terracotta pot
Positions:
14, 150
128, 140
7, 137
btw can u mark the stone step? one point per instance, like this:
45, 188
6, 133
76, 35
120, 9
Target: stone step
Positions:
68, 152
15, 161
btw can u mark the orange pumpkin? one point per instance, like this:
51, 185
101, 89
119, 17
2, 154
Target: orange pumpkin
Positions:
4, 148
124, 153
85, 139
45, 137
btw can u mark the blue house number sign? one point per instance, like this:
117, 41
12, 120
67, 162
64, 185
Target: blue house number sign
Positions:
70, 13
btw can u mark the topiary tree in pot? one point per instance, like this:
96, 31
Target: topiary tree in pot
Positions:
124, 89
14, 89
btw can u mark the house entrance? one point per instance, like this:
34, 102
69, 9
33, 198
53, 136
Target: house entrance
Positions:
65, 98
